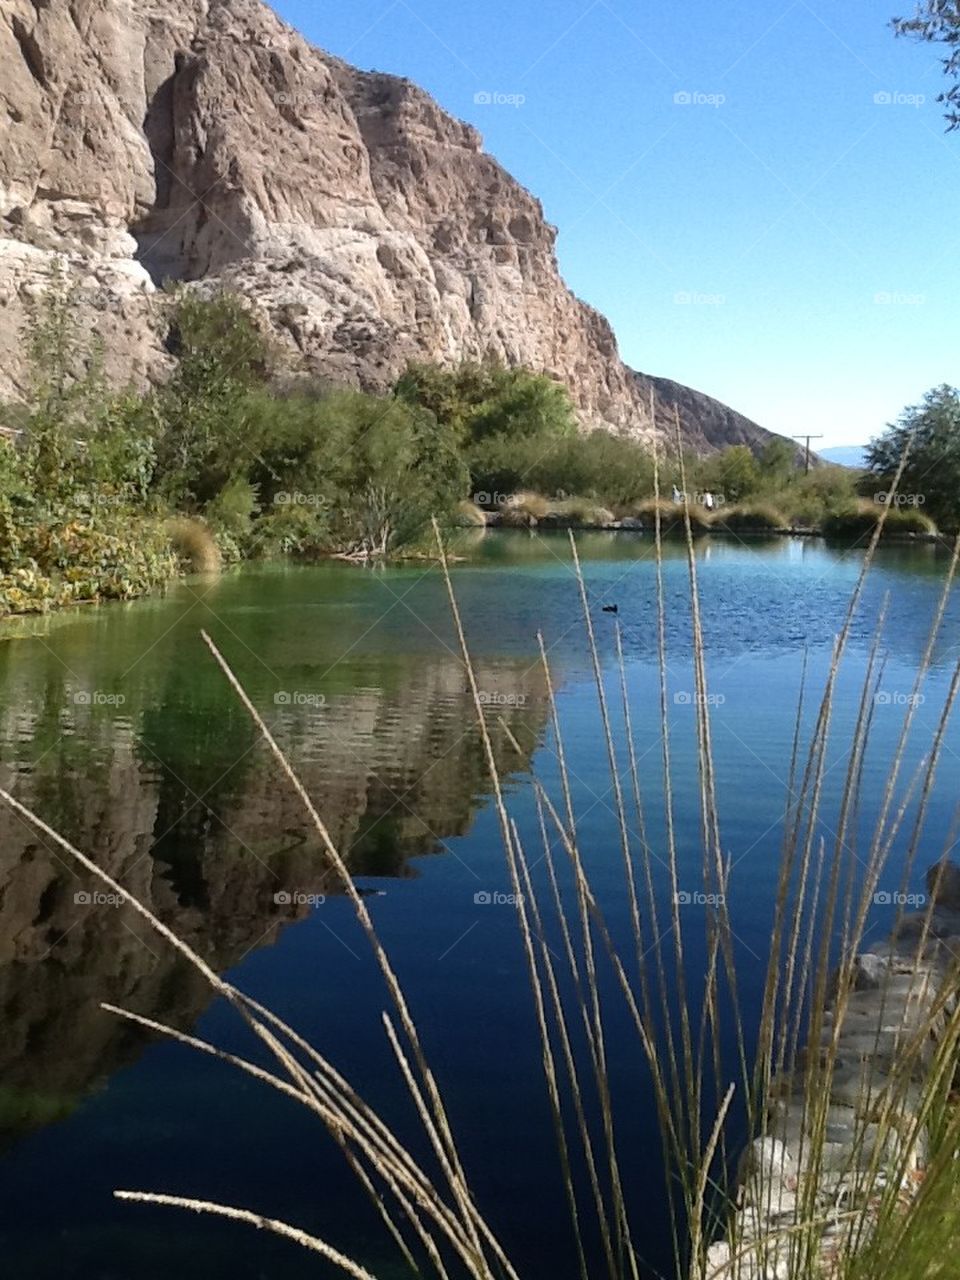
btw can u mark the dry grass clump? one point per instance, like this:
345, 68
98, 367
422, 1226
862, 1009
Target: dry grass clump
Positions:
469, 516
527, 510
524, 510
857, 523
194, 544
579, 513
672, 516
754, 517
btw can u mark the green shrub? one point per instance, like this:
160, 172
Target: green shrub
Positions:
480, 401
231, 514
203, 409
48, 563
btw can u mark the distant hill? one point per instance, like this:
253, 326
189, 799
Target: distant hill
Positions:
846, 455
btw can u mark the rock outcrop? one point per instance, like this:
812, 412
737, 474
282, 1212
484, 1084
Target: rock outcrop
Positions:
206, 141
812, 1186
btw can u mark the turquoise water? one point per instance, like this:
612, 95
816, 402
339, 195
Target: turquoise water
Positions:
119, 729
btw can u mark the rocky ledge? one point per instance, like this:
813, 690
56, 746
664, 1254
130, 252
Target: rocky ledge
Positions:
206, 142
880, 1017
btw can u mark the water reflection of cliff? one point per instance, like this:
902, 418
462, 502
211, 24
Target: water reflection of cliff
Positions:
180, 802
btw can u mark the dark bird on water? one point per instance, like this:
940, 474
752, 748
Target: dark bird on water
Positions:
611, 608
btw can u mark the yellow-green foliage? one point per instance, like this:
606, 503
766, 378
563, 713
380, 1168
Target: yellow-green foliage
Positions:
56, 563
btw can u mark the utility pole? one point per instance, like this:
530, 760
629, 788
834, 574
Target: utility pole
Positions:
806, 470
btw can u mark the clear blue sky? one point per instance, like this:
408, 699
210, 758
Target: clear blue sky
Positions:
812, 225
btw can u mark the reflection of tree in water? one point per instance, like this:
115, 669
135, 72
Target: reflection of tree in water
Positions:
393, 772
201, 743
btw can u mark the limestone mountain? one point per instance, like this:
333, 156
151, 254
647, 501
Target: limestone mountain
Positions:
206, 141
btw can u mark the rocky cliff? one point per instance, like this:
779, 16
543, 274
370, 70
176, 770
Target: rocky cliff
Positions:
206, 141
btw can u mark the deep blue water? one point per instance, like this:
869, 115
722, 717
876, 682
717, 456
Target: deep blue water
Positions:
119, 729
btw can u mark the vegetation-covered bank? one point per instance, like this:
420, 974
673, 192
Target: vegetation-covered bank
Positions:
107, 493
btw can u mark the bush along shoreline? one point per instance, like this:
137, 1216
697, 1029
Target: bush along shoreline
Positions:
109, 493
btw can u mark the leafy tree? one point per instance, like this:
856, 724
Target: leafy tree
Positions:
930, 435
778, 461
733, 473
359, 473
66, 390
221, 356
477, 401
598, 465
938, 22
119, 454
398, 467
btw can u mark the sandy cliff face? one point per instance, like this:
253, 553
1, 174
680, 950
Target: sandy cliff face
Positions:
207, 142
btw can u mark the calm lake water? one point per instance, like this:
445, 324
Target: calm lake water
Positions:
119, 729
